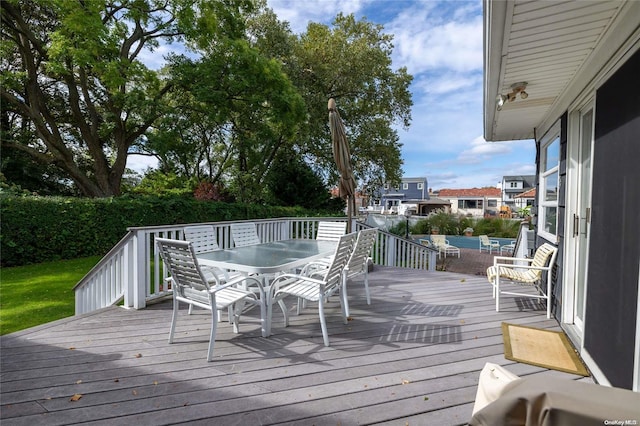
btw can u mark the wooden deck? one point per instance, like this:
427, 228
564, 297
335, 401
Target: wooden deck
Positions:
410, 358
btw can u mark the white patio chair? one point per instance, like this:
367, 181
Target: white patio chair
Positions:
358, 263
192, 287
524, 271
244, 234
508, 248
317, 289
442, 244
331, 231
489, 245
204, 240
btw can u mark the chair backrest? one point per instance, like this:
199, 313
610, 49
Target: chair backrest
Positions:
244, 234
202, 237
484, 240
180, 259
331, 231
358, 261
438, 240
333, 278
545, 255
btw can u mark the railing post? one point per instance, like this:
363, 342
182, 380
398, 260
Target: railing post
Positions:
432, 260
140, 268
391, 249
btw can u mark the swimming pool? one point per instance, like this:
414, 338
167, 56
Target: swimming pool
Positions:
471, 242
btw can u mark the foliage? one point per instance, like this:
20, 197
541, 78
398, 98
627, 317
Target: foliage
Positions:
351, 62
497, 227
40, 229
38, 294
74, 88
292, 182
449, 224
207, 191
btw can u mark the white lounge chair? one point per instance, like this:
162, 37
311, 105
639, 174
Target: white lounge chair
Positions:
489, 245
508, 248
193, 288
442, 244
524, 271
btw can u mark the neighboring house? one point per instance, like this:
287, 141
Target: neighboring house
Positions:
478, 202
514, 185
526, 198
410, 189
581, 63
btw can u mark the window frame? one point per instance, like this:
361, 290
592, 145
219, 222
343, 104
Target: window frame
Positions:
405, 186
549, 174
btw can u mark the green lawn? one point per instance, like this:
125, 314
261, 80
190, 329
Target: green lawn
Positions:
36, 294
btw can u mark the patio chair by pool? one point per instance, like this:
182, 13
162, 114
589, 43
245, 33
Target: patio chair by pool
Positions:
443, 246
331, 231
524, 271
508, 248
489, 245
244, 234
318, 289
192, 287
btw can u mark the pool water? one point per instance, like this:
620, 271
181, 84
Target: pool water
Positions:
472, 242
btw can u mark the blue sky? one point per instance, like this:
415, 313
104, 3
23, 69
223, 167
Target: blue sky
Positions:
440, 43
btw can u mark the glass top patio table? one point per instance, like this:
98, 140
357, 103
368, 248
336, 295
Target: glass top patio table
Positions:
269, 258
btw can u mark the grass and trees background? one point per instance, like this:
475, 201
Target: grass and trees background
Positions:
235, 117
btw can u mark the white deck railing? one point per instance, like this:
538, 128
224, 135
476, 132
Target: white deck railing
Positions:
132, 273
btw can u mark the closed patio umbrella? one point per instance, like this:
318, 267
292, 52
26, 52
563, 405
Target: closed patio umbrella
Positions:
342, 156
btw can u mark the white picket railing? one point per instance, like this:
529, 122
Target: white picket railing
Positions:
132, 273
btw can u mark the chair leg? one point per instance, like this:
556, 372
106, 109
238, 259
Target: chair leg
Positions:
366, 287
212, 336
344, 300
174, 318
323, 321
236, 310
497, 291
548, 297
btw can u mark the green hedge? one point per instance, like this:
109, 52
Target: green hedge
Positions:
40, 229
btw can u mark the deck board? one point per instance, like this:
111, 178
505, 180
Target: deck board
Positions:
411, 357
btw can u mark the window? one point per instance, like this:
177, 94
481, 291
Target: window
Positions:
386, 186
405, 186
492, 203
469, 204
549, 181
514, 184
420, 186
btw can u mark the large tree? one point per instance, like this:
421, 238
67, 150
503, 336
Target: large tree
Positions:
71, 72
351, 62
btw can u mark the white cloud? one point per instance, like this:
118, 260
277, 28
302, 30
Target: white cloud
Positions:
425, 43
480, 151
300, 13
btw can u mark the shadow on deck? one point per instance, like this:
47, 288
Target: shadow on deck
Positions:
411, 357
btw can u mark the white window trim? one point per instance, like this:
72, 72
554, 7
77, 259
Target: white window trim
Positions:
405, 186
552, 135
420, 186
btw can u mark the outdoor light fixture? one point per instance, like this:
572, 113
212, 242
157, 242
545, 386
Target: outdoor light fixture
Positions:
510, 97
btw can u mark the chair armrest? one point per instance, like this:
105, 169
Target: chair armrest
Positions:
541, 268
238, 280
496, 260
